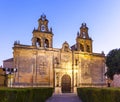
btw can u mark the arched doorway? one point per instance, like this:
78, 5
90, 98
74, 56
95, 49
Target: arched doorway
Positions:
66, 84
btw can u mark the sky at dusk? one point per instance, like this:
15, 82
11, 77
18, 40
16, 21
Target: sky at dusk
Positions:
19, 17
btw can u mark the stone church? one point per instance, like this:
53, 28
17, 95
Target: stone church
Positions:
41, 65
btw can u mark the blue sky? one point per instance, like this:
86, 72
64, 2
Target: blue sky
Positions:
19, 17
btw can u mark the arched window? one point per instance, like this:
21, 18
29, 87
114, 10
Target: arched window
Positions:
46, 45
81, 47
88, 48
38, 42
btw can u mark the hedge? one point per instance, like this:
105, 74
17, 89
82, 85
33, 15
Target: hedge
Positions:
99, 94
25, 94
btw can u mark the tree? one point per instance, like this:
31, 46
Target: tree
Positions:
113, 63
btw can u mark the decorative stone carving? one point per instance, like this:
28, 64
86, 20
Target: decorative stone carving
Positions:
65, 47
65, 57
57, 78
42, 66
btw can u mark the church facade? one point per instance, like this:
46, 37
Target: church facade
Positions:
66, 68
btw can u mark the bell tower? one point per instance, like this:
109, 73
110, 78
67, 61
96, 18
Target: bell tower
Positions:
43, 24
42, 36
83, 41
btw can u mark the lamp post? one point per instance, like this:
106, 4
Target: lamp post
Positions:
10, 72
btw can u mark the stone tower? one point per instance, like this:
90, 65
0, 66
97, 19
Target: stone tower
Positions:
83, 41
42, 37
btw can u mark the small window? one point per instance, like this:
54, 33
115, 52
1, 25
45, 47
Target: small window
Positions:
88, 48
81, 47
46, 45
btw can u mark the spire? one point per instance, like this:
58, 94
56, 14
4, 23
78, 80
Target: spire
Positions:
78, 34
84, 31
43, 24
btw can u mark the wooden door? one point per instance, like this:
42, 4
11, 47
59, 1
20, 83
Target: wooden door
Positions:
66, 84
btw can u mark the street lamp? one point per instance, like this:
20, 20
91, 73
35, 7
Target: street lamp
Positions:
10, 71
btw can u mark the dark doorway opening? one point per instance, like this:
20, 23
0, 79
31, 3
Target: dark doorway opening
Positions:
66, 84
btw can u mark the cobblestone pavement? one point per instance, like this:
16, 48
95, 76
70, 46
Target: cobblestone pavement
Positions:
64, 97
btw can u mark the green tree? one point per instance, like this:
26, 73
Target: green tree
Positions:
113, 63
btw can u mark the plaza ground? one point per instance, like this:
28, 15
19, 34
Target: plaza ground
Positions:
64, 97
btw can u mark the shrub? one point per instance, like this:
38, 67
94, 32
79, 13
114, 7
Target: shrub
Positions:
25, 94
99, 94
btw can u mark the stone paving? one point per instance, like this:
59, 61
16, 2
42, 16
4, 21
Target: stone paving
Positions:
64, 97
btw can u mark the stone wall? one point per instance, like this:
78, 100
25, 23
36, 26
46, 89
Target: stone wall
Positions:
116, 81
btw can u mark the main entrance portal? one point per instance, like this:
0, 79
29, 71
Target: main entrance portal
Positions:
66, 84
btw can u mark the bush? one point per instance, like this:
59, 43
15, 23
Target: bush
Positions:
25, 94
99, 94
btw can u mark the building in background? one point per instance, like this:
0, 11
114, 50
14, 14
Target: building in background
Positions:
2, 77
66, 68
8, 63
9, 70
